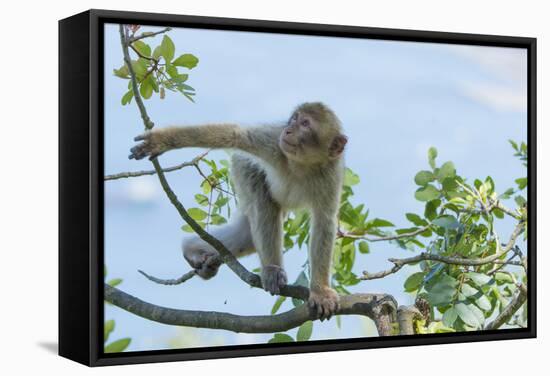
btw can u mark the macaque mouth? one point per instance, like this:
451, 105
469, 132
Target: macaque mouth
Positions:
288, 143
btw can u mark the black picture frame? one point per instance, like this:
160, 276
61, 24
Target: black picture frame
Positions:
81, 185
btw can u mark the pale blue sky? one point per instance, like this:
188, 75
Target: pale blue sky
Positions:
395, 100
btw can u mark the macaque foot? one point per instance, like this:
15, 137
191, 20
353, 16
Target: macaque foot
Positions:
151, 146
323, 301
206, 262
273, 278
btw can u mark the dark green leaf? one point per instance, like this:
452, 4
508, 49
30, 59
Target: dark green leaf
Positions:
416, 220
414, 281
201, 199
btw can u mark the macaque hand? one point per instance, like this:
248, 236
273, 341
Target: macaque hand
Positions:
273, 278
151, 146
323, 301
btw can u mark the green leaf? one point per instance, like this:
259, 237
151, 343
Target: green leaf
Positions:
479, 279
424, 177
167, 48
280, 338
377, 222
431, 209
127, 98
449, 317
447, 170
197, 214
108, 328
114, 282
186, 60
146, 89
432, 155
350, 178
502, 278
142, 47
157, 52
446, 221
122, 72
118, 346
413, 282
280, 300
364, 247
304, 332
522, 183
466, 315
520, 200
201, 199
427, 193
217, 219
416, 220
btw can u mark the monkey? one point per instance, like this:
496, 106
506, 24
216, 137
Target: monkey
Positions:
274, 168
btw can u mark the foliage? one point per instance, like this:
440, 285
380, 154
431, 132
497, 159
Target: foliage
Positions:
157, 69
109, 326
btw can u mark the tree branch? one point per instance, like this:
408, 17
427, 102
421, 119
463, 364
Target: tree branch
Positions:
194, 162
383, 238
399, 263
170, 282
509, 310
148, 35
377, 307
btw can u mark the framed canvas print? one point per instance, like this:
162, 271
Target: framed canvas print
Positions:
235, 187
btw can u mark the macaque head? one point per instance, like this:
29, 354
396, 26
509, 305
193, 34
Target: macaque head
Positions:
313, 135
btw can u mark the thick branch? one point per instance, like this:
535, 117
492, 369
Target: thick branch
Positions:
509, 310
378, 307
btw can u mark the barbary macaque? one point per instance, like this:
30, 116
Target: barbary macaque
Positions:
274, 169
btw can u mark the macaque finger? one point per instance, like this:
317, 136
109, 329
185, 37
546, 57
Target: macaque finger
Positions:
140, 137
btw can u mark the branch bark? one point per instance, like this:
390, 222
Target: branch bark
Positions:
378, 307
509, 310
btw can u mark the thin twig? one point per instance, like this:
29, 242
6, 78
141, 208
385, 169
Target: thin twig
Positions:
509, 310
170, 282
383, 238
133, 174
425, 256
148, 35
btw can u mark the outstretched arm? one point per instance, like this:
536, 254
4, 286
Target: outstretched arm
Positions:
260, 141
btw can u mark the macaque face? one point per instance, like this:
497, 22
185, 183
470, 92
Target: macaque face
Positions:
300, 138
307, 140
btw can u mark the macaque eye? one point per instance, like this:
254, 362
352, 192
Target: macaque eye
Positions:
305, 123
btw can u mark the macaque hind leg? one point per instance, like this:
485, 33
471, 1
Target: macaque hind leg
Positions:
204, 258
265, 218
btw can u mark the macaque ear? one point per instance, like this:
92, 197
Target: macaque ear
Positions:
337, 145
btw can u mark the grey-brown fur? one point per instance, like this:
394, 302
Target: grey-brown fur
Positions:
274, 169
